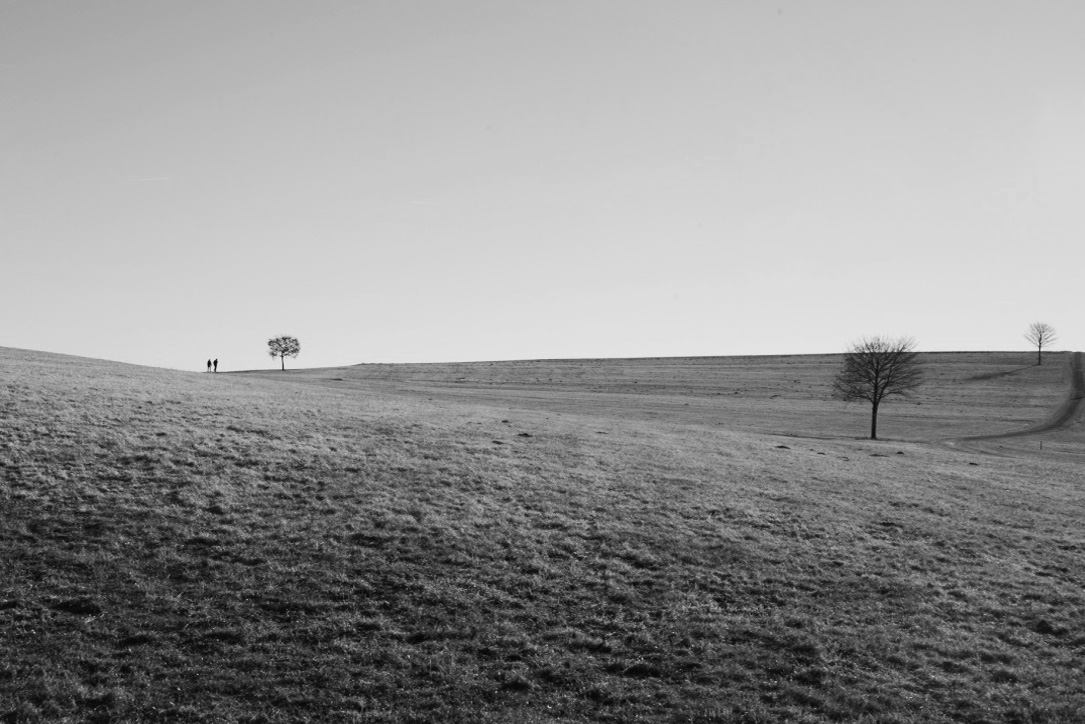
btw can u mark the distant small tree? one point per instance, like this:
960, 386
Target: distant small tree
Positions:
283, 347
876, 368
1042, 335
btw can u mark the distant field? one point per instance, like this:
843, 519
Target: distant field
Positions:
535, 542
968, 393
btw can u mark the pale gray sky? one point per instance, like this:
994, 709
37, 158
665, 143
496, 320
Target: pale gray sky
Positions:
439, 180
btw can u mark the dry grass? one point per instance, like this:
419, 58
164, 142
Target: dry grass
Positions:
966, 393
182, 547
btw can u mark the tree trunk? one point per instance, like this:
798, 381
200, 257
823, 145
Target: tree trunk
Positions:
874, 421
1039, 355
282, 361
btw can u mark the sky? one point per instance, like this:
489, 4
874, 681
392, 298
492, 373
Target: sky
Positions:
452, 180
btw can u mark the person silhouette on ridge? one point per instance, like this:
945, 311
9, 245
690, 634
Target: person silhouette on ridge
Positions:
216, 364
208, 365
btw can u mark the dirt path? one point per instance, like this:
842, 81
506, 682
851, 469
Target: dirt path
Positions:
1068, 411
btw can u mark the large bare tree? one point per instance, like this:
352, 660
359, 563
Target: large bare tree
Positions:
1041, 334
876, 368
283, 347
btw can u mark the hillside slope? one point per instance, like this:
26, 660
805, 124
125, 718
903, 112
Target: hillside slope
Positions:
1063, 431
966, 393
195, 547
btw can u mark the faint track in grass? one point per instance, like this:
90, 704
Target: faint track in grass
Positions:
1071, 408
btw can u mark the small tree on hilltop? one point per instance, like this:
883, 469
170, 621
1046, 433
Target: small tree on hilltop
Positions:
875, 368
283, 347
1042, 335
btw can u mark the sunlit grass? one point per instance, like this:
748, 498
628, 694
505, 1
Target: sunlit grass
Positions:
182, 547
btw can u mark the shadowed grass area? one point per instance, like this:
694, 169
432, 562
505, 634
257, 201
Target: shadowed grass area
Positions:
181, 547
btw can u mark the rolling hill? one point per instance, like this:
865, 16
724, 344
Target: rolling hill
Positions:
696, 540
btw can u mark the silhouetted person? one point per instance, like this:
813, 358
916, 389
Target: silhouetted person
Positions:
216, 365
208, 365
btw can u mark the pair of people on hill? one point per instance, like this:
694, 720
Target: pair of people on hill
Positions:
215, 364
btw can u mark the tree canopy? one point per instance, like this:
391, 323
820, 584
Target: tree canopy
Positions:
282, 347
875, 368
1040, 334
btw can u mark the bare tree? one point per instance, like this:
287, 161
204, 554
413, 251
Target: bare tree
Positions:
283, 347
875, 368
1042, 335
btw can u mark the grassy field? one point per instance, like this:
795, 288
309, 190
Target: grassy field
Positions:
967, 393
698, 540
